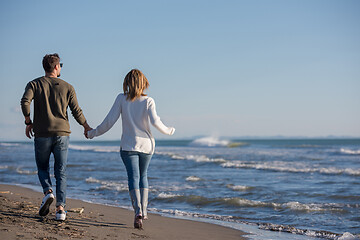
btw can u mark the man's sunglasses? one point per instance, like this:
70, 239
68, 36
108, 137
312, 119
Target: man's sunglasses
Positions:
61, 64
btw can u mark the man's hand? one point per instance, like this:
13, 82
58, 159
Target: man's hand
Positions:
29, 131
29, 127
86, 129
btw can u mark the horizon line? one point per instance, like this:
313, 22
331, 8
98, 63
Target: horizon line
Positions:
275, 137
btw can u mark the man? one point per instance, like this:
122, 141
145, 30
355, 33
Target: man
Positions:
52, 96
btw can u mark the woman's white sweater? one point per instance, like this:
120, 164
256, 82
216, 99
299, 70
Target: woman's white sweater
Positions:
136, 118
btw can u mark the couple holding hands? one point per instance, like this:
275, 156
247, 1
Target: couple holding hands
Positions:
50, 128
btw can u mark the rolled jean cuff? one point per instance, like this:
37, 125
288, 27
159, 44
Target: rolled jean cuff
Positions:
61, 204
47, 189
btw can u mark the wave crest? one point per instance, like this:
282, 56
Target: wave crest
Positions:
238, 187
248, 203
349, 151
209, 142
104, 149
193, 179
282, 166
108, 185
25, 172
9, 144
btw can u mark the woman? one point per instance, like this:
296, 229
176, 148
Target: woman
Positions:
137, 144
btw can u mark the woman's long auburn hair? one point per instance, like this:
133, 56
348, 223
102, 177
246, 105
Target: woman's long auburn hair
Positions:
135, 83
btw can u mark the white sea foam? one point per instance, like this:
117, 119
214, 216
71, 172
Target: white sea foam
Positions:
193, 179
179, 213
295, 206
348, 236
238, 187
196, 158
209, 142
25, 172
177, 157
246, 202
314, 207
293, 231
296, 233
92, 180
273, 165
203, 158
173, 187
9, 144
109, 185
306, 207
235, 201
95, 148
281, 166
349, 151
171, 155
289, 167
3, 166
167, 195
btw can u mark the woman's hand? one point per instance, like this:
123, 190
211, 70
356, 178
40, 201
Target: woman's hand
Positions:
86, 129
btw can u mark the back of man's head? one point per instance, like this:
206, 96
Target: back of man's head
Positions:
50, 61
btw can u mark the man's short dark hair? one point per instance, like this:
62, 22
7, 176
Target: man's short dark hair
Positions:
50, 61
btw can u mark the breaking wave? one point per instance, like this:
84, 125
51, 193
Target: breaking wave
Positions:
209, 142
307, 232
108, 185
349, 151
289, 167
263, 226
9, 144
25, 172
196, 158
281, 166
238, 187
242, 202
103, 149
193, 179
167, 195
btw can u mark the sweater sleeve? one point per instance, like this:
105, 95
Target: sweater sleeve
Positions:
155, 119
26, 99
74, 107
109, 120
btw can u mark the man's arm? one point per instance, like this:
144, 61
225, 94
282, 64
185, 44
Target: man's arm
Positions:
77, 112
25, 107
75, 109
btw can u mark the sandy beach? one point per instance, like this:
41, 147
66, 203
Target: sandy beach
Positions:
20, 220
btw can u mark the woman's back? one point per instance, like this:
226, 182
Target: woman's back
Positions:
136, 133
137, 112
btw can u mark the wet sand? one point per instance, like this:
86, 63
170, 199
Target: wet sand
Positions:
19, 219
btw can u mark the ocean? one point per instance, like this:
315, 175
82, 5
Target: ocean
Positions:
274, 189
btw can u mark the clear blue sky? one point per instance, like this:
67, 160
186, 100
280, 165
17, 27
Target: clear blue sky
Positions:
216, 68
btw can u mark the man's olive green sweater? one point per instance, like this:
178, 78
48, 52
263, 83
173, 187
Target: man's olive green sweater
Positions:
51, 97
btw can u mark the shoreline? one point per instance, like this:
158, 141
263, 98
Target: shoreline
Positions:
19, 217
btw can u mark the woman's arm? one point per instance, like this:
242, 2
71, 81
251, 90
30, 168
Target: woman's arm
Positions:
109, 120
155, 119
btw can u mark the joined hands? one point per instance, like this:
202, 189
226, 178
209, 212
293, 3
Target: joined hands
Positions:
86, 129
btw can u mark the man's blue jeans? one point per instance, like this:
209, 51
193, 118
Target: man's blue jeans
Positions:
57, 145
136, 164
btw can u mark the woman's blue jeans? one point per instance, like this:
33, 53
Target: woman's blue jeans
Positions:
136, 164
57, 145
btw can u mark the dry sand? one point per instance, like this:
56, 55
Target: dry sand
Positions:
20, 220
